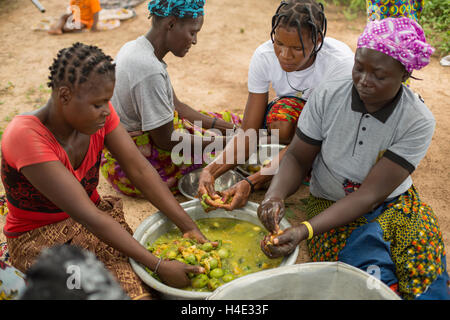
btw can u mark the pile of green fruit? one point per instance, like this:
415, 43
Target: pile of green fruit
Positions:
213, 259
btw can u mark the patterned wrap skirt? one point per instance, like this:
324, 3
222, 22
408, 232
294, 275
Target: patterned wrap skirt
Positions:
24, 250
400, 239
286, 109
381, 9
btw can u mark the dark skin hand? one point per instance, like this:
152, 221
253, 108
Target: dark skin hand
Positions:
162, 137
187, 112
298, 158
270, 213
283, 244
241, 191
72, 115
377, 78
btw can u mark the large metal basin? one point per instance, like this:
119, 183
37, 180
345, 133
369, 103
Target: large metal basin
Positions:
158, 224
307, 281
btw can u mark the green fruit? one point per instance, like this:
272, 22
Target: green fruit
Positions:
200, 281
228, 277
213, 284
204, 205
206, 196
191, 259
213, 263
186, 243
216, 273
223, 253
171, 255
181, 260
207, 246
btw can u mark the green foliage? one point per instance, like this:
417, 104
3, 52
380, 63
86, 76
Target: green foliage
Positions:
435, 20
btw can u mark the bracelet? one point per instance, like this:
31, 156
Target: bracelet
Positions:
252, 186
310, 229
157, 265
213, 123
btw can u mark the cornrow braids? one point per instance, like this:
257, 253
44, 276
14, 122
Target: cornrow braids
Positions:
73, 65
302, 14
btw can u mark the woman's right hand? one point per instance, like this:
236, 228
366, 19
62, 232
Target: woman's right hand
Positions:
270, 213
206, 186
174, 273
239, 193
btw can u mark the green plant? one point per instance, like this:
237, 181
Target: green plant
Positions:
7, 89
435, 20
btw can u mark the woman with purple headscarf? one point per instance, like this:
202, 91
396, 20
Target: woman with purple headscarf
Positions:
363, 135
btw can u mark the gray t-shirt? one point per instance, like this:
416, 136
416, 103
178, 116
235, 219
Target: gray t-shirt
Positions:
143, 95
353, 140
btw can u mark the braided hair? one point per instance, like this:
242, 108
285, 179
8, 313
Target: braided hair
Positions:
73, 65
302, 14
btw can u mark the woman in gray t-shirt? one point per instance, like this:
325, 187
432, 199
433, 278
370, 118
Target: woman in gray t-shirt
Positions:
147, 104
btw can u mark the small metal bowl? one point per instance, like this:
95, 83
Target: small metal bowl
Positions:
265, 151
188, 184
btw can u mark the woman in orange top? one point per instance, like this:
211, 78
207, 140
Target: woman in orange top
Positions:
50, 172
84, 15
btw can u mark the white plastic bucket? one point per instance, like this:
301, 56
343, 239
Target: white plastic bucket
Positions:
307, 281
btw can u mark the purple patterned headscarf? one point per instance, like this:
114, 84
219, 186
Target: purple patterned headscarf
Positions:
401, 38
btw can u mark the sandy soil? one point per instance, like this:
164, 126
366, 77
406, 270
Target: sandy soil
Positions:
213, 76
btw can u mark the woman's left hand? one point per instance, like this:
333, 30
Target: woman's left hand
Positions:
270, 213
196, 234
239, 194
283, 244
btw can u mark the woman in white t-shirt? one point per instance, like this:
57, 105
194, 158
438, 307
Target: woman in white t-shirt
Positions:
296, 59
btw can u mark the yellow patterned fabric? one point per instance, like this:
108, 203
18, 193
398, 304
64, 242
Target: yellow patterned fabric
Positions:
381, 9
326, 246
410, 228
416, 242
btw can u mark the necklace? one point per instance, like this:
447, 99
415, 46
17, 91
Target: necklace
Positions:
301, 91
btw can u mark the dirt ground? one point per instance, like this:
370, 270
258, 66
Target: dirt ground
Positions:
213, 76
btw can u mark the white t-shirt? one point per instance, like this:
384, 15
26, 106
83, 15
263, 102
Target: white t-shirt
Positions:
335, 57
